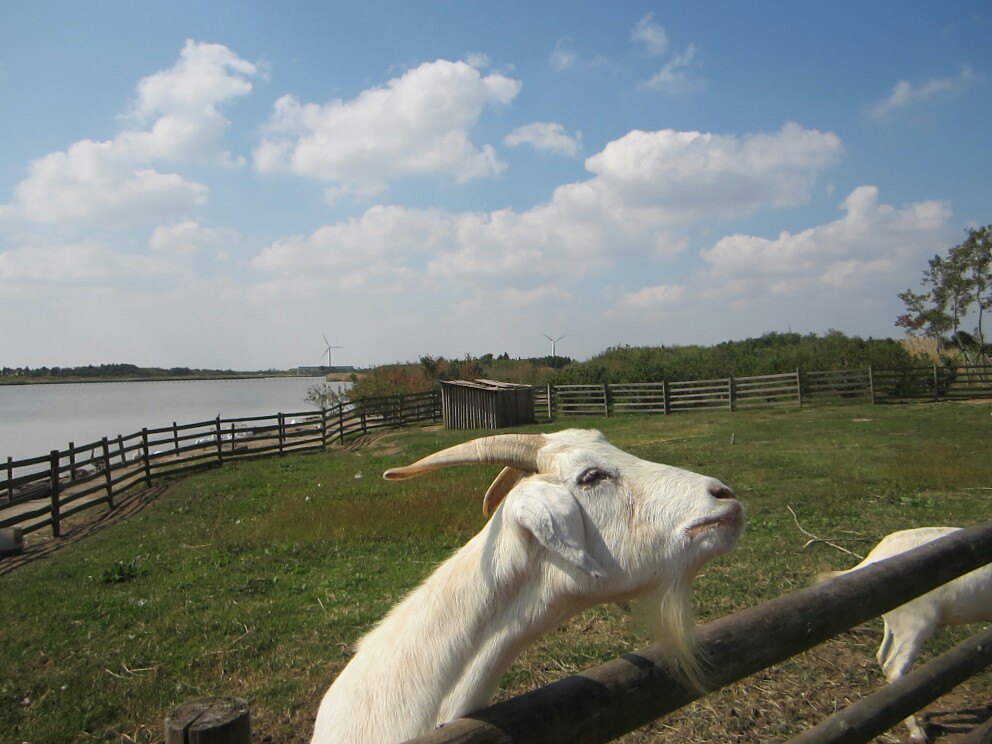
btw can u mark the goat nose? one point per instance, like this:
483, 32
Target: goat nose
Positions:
721, 492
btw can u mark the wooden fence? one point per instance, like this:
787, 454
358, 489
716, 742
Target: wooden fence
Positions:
764, 391
612, 699
42, 491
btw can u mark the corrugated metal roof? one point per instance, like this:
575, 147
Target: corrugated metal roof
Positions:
485, 384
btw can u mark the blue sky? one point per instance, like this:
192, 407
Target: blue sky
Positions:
220, 184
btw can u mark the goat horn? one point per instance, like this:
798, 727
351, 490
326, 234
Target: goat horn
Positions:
512, 450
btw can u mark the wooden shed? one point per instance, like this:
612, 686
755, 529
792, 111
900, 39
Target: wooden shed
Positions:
486, 404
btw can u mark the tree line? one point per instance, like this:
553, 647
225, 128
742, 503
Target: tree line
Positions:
116, 371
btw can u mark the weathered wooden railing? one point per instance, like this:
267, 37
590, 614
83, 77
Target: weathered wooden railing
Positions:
614, 698
764, 391
55, 486
42, 491
621, 695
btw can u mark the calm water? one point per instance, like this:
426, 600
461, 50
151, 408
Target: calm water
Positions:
35, 419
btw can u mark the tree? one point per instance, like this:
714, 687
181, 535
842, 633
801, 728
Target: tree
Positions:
954, 287
324, 396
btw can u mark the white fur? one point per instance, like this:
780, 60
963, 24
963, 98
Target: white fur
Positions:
552, 549
967, 599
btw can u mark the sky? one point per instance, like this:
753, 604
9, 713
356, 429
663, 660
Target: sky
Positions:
222, 184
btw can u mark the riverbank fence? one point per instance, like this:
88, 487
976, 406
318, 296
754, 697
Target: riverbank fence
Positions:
41, 491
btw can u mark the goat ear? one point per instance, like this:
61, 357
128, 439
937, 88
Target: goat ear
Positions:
552, 515
508, 477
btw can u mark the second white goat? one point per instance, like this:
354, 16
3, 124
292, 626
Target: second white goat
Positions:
574, 522
965, 600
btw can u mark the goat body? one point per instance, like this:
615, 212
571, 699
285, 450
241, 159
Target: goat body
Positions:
580, 523
967, 599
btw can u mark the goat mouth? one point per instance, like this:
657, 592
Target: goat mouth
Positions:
731, 518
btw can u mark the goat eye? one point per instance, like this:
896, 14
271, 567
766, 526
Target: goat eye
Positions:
592, 476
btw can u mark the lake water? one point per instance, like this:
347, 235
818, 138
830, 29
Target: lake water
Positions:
35, 419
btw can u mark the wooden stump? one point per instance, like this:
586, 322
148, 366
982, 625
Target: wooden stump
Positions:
220, 720
11, 541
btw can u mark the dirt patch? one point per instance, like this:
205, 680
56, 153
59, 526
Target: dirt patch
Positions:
41, 544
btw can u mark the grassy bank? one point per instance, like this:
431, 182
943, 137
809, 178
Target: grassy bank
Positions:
256, 579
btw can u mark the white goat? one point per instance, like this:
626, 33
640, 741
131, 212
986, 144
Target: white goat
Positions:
966, 599
575, 522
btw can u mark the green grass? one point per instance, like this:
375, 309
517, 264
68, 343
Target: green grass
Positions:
256, 579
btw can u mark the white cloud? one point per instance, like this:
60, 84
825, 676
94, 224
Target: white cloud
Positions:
645, 188
175, 118
692, 175
869, 240
177, 108
374, 251
478, 60
77, 263
651, 298
562, 57
650, 34
546, 136
417, 124
190, 237
674, 76
95, 182
905, 93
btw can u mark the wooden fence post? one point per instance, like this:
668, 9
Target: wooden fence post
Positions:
175, 437
799, 388
874, 714
10, 477
732, 394
120, 450
401, 409
666, 400
232, 436
871, 385
146, 456
365, 427
56, 527
72, 461
341, 423
323, 427
220, 449
936, 385
606, 399
107, 474
282, 433
213, 720
550, 393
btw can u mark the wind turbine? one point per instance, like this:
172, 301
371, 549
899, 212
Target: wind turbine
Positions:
553, 342
327, 351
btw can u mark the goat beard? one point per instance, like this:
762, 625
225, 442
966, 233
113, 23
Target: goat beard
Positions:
672, 622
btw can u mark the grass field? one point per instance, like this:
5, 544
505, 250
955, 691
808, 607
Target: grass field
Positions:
256, 579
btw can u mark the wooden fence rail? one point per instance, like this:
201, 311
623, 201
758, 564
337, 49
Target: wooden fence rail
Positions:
614, 698
621, 695
765, 391
41, 491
